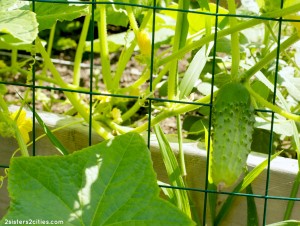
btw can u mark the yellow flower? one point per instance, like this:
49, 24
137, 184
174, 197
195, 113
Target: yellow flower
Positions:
24, 124
144, 43
117, 115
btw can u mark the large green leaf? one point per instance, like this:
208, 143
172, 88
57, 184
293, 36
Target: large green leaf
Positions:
20, 24
109, 183
7, 4
49, 13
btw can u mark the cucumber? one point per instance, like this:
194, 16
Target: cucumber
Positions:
233, 125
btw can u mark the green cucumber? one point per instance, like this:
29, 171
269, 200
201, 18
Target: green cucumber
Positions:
233, 125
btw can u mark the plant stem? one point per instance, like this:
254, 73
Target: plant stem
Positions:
290, 205
3, 104
49, 46
179, 38
104, 52
240, 26
133, 24
173, 110
140, 102
80, 49
131, 111
121, 65
272, 107
126, 54
49, 51
73, 98
235, 43
14, 62
20, 140
181, 152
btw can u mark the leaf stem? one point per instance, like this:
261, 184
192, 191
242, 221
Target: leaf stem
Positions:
291, 203
180, 148
133, 24
235, 43
179, 38
173, 110
80, 49
271, 106
74, 99
20, 140
104, 51
14, 62
240, 26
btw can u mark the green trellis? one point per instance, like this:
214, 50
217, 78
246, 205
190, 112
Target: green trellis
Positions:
179, 53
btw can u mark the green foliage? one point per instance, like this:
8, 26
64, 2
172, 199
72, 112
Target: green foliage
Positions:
193, 72
116, 14
109, 183
178, 197
16, 26
49, 13
234, 54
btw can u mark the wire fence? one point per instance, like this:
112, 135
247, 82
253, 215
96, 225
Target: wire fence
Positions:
156, 69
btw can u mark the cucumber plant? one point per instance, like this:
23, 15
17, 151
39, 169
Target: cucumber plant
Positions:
112, 113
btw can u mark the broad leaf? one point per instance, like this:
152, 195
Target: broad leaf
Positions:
203, 17
7, 4
49, 13
20, 24
109, 183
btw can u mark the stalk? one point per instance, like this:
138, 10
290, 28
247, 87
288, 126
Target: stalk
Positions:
126, 54
133, 24
49, 45
21, 143
235, 43
179, 37
291, 203
173, 110
80, 49
271, 106
49, 51
104, 51
14, 61
240, 26
3, 104
73, 98
181, 152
